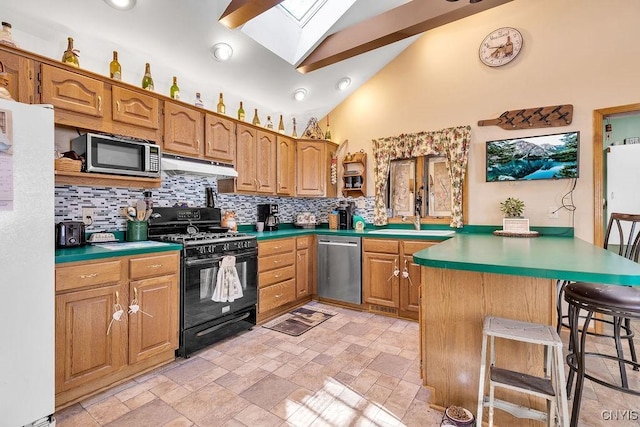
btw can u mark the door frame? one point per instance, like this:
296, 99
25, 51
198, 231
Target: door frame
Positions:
598, 166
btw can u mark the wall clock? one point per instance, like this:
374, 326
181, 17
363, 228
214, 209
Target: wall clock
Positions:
500, 47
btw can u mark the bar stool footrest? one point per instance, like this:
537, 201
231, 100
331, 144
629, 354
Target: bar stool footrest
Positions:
524, 383
517, 411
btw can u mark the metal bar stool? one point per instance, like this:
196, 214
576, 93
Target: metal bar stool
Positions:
622, 226
550, 387
619, 302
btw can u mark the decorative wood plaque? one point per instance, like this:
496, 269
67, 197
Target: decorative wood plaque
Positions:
531, 118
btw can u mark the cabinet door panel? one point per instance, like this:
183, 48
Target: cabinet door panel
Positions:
220, 137
135, 108
84, 351
310, 168
303, 273
246, 159
285, 165
19, 77
380, 286
183, 130
266, 162
72, 92
154, 328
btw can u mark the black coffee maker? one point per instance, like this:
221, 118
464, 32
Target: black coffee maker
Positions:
345, 215
268, 213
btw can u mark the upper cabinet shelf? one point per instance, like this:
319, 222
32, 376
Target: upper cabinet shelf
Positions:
354, 175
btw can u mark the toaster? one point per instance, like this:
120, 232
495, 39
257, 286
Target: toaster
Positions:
70, 234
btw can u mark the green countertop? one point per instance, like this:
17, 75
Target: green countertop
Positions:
545, 256
89, 252
289, 231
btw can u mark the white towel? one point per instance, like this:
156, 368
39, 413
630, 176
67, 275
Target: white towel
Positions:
228, 286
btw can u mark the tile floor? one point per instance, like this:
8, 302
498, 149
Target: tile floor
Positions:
355, 369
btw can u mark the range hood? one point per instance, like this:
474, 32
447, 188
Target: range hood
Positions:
178, 165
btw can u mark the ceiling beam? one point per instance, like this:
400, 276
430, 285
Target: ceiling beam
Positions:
404, 21
239, 12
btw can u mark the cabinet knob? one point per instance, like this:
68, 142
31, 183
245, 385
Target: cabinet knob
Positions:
279, 295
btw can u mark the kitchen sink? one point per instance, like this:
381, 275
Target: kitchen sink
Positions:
409, 232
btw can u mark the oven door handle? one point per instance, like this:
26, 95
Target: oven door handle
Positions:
204, 261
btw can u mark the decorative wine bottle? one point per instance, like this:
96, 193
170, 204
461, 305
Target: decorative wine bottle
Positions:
221, 108
147, 80
198, 102
294, 133
256, 119
281, 125
115, 70
174, 91
70, 56
241, 112
269, 124
327, 134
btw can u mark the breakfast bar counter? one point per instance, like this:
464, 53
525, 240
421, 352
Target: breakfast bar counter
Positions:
471, 276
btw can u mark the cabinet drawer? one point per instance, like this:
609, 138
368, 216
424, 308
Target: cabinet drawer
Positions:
274, 276
277, 246
412, 246
266, 263
303, 242
82, 275
277, 295
158, 265
385, 246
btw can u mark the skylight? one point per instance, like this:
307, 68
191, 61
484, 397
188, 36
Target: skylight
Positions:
301, 10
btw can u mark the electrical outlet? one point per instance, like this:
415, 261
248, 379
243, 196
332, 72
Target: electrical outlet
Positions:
553, 213
87, 216
361, 203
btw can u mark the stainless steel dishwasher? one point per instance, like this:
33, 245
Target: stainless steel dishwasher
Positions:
340, 268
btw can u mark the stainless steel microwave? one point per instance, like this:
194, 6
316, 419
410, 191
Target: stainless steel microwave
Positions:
118, 156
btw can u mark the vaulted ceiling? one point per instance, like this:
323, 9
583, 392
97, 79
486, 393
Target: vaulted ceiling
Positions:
270, 60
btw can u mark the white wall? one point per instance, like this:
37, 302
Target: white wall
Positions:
575, 52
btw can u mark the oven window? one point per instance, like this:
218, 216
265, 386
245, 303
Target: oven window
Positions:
200, 284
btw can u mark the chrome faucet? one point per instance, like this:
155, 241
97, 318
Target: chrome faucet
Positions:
416, 221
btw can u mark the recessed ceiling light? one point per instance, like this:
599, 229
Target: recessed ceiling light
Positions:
299, 94
121, 4
221, 51
343, 83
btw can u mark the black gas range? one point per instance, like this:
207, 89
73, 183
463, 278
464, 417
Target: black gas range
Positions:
207, 314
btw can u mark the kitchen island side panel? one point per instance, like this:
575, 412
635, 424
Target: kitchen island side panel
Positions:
454, 305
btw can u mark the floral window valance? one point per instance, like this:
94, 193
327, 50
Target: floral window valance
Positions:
453, 143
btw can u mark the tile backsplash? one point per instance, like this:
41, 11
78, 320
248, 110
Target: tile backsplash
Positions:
189, 190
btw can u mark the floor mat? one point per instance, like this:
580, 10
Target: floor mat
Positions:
299, 320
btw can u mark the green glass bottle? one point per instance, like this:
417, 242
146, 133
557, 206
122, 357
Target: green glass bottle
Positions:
327, 134
147, 80
281, 125
241, 112
174, 91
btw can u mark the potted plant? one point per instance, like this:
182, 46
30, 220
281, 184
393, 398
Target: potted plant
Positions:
512, 208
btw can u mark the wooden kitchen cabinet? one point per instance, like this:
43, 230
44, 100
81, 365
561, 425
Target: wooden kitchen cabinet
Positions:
276, 277
183, 130
255, 162
87, 296
305, 266
20, 76
385, 263
140, 110
69, 91
285, 166
313, 160
220, 139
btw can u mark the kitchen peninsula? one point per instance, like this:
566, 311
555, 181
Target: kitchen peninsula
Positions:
473, 275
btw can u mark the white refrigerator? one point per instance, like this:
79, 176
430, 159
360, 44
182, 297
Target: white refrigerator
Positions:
623, 177
27, 289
